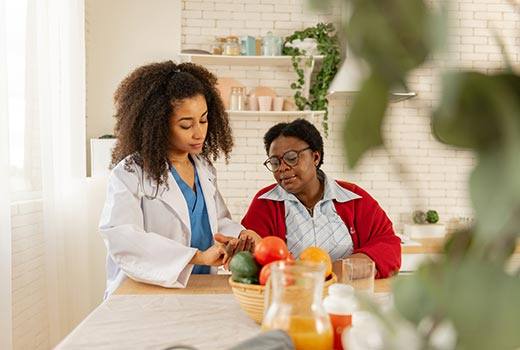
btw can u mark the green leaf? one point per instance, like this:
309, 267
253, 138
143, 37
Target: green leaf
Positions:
466, 116
413, 295
494, 192
363, 126
393, 36
321, 4
482, 112
478, 297
483, 303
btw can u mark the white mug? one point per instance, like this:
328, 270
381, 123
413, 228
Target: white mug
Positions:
278, 104
264, 103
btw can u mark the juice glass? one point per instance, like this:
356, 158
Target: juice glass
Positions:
294, 304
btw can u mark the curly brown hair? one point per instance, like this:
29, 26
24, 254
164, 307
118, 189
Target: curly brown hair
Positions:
145, 101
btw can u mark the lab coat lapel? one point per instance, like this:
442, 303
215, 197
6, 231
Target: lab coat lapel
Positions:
208, 184
173, 197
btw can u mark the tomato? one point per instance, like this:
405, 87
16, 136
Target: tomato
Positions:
265, 273
317, 255
270, 249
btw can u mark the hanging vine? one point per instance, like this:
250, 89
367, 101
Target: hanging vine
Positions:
325, 36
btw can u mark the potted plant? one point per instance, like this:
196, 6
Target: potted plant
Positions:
425, 225
327, 45
467, 295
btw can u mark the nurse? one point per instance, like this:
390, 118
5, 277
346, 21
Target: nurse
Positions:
164, 217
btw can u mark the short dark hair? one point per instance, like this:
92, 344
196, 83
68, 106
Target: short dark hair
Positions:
299, 128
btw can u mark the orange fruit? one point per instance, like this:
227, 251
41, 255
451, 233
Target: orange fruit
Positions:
317, 255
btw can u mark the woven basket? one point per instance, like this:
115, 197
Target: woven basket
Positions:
251, 296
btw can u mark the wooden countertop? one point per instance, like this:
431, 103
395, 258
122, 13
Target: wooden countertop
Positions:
427, 246
197, 284
218, 284
204, 284
432, 246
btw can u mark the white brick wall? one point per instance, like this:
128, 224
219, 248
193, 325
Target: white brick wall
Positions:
30, 320
434, 176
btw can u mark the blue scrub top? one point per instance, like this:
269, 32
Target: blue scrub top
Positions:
201, 237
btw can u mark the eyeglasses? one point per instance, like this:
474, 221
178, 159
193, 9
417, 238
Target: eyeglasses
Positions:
290, 158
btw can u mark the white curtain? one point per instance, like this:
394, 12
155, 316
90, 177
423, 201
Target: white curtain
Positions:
71, 202
5, 214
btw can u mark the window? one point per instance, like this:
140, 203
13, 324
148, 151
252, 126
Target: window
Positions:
19, 140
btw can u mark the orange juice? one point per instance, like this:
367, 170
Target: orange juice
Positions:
339, 324
308, 333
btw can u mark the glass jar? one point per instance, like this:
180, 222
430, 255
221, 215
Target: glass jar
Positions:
271, 45
217, 46
237, 99
232, 46
293, 299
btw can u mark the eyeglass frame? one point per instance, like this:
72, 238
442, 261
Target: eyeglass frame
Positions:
281, 159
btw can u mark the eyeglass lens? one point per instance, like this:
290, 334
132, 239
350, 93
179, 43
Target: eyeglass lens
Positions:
290, 158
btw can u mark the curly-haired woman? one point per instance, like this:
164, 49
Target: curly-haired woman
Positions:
164, 217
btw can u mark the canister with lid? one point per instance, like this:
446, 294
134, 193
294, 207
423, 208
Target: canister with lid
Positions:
232, 46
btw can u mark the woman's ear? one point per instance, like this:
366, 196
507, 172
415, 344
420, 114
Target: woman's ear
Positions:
317, 158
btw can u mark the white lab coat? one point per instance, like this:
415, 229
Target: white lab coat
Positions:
149, 239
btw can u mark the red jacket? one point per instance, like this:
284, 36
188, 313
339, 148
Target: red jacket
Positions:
370, 228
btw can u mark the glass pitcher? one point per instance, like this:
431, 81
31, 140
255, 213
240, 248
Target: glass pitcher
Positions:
294, 304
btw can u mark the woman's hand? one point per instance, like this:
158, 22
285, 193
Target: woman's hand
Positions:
253, 235
231, 246
245, 241
213, 256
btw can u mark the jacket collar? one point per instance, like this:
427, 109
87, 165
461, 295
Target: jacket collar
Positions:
332, 191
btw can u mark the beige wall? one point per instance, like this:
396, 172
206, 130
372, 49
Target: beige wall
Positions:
120, 36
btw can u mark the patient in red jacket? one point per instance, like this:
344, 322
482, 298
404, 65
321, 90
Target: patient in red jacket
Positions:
307, 208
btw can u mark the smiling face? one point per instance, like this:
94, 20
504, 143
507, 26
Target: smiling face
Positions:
298, 178
188, 126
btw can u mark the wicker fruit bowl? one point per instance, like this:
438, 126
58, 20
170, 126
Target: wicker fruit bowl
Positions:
251, 296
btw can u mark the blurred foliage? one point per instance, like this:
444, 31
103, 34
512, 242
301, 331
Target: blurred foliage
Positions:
469, 287
363, 127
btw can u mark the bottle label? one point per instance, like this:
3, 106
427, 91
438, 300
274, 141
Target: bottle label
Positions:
339, 324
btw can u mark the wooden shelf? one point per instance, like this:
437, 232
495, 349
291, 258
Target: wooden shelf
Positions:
224, 60
303, 114
401, 96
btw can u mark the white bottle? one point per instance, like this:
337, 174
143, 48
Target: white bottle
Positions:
340, 304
